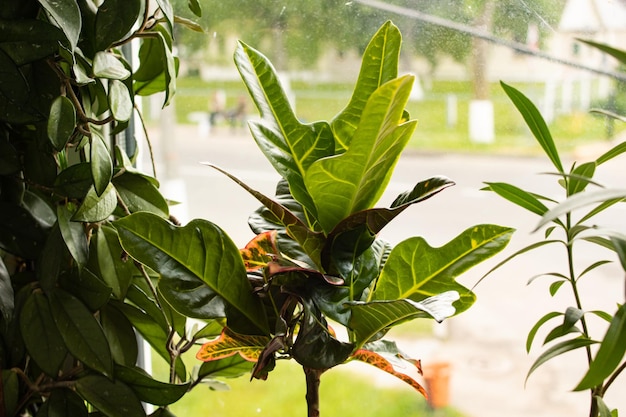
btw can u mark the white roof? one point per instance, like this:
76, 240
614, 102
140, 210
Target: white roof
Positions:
591, 16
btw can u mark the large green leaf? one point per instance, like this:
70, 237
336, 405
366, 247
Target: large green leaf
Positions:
120, 101
28, 40
41, 337
344, 184
81, 332
198, 256
114, 20
379, 65
374, 318
536, 123
149, 389
20, 233
609, 354
158, 67
113, 398
289, 145
108, 65
66, 14
14, 94
416, 271
113, 269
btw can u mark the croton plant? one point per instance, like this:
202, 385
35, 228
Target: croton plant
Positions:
317, 262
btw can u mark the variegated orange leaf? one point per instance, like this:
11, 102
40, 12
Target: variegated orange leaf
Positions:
382, 363
230, 343
260, 251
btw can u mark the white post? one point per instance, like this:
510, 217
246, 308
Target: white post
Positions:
481, 121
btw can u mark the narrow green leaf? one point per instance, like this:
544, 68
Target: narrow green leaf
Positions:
87, 287
114, 270
603, 409
598, 209
120, 335
66, 14
612, 153
194, 6
96, 208
114, 20
434, 270
81, 332
230, 367
101, 163
197, 256
375, 318
580, 178
580, 200
346, 183
148, 389
41, 337
153, 333
618, 54
61, 122
379, 65
533, 332
518, 196
120, 101
109, 65
113, 398
557, 350
536, 123
610, 353
74, 235
10, 391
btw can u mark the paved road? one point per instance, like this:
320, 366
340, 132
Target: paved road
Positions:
485, 346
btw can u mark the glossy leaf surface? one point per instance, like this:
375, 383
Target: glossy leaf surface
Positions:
148, 389
199, 263
113, 398
61, 122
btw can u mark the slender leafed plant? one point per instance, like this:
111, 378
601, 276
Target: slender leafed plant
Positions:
571, 224
317, 258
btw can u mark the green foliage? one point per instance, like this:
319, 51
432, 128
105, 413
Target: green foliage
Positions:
576, 224
71, 300
317, 255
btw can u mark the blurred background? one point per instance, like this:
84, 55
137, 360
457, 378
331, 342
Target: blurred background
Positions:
459, 50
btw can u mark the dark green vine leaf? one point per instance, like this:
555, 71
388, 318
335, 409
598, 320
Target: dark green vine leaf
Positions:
41, 337
10, 390
114, 20
14, 94
65, 402
148, 389
61, 122
113, 398
96, 208
67, 16
139, 193
120, 335
20, 233
73, 235
7, 303
101, 163
116, 272
80, 331
74, 181
120, 101
29, 40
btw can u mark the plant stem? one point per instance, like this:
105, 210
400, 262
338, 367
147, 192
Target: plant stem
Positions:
313, 390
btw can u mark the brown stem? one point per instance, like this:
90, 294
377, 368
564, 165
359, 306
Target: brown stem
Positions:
313, 377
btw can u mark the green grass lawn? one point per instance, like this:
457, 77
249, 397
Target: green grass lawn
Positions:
323, 101
343, 393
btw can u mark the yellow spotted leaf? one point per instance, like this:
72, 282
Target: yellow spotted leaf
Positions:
230, 343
